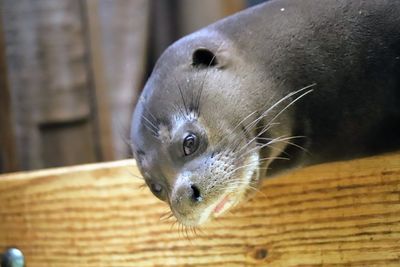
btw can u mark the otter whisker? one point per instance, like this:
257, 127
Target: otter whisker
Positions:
125, 139
165, 216
279, 150
243, 166
235, 128
231, 173
154, 123
290, 104
235, 146
239, 124
255, 122
170, 216
295, 145
186, 232
252, 164
246, 152
247, 186
142, 186
261, 127
251, 140
268, 125
201, 232
178, 109
134, 175
273, 141
151, 130
182, 97
193, 230
148, 112
173, 224
150, 122
265, 113
150, 126
283, 136
180, 229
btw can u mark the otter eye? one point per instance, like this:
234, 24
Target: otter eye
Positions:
157, 190
190, 144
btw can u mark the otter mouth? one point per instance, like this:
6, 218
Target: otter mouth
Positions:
230, 199
228, 195
223, 205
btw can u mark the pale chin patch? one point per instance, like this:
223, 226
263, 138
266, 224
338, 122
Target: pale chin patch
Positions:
231, 198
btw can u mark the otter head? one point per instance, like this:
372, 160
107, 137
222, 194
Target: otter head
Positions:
196, 128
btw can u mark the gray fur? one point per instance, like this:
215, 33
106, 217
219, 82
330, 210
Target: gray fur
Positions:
346, 52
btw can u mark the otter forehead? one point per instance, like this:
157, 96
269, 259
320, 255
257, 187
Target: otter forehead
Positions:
192, 74
181, 51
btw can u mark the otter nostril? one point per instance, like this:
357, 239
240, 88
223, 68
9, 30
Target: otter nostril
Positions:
196, 196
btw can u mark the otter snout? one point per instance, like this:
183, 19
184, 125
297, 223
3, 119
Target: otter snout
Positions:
185, 197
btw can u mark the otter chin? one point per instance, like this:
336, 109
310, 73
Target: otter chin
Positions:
282, 85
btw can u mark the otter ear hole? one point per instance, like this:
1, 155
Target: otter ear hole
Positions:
203, 57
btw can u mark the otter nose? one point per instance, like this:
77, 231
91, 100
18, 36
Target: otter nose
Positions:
189, 193
185, 197
195, 194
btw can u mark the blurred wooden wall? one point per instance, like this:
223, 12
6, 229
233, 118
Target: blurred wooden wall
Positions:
71, 71
59, 91
8, 160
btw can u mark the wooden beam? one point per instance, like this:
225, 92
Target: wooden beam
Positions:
339, 214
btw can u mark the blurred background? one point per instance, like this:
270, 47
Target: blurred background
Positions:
71, 72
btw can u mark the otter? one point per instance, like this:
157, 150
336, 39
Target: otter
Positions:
278, 86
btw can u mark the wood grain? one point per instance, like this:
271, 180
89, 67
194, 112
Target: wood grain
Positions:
124, 44
99, 94
342, 214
